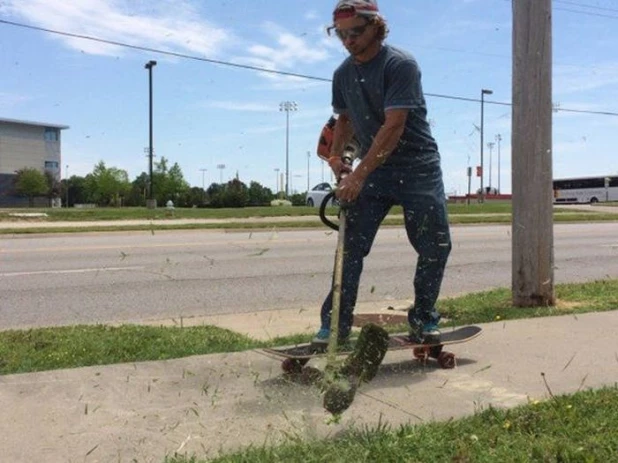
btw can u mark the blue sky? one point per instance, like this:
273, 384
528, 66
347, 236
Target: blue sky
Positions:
210, 114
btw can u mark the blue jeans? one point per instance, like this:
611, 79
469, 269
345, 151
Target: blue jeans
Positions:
421, 194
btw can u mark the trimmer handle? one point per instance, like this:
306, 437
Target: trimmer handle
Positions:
347, 159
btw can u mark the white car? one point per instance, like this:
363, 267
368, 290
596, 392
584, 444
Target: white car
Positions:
317, 194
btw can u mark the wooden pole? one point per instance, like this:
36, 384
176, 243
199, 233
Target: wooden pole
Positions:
533, 253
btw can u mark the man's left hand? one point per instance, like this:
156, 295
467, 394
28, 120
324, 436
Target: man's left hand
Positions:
349, 188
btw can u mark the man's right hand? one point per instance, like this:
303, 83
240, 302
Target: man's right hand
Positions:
339, 168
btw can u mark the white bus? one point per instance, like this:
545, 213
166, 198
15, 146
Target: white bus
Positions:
586, 190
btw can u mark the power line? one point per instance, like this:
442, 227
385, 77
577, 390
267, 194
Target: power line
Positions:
261, 69
583, 5
588, 13
162, 52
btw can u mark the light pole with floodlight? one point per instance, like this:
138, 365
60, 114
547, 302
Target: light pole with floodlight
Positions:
221, 167
287, 106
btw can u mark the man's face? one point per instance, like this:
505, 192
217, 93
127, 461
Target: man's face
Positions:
356, 34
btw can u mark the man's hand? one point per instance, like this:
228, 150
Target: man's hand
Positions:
339, 168
349, 187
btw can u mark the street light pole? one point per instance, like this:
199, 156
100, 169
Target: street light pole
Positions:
483, 93
149, 65
498, 140
287, 106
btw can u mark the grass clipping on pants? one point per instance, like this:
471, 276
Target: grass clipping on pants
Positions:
359, 367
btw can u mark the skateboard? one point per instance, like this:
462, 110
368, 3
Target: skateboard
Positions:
294, 358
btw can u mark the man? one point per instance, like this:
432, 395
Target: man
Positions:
378, 97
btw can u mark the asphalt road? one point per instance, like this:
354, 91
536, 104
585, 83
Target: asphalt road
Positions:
136, 276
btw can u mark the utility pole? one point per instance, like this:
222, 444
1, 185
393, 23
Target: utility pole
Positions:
484, 92
151, 203
532, 227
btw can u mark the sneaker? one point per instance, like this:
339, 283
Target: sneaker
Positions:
321, 337
425, 333
320, 340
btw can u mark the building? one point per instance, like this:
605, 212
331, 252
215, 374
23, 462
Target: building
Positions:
27, 144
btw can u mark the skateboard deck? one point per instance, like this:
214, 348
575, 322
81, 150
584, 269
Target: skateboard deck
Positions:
295, 357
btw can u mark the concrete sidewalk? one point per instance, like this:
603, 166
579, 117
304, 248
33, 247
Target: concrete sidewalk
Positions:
209, 404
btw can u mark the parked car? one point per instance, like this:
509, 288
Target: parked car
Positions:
317, 194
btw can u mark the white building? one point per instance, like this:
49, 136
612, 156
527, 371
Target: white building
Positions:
27, 144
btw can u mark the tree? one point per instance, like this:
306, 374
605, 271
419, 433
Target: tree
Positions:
31, 182
107, 185
78, 192
236, 193
139, 191
232, 194
195, 196
169, 183
259, 195
53, 185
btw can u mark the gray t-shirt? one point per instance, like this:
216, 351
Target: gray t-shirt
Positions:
392, 79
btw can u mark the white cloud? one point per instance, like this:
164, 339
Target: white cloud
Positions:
286, 52
167, 25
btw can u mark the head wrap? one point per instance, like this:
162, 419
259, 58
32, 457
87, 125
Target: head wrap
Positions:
350, 8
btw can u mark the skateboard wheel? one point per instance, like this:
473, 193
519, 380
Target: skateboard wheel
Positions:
435, 351
421, 353
293, 365
446, 360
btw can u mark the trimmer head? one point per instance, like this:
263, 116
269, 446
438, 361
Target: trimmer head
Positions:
361, 366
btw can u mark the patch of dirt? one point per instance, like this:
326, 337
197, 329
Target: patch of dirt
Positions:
567, 305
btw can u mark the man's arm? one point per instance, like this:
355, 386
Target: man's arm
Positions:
342, 135
383, 145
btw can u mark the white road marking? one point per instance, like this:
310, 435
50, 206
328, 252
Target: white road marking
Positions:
77, 270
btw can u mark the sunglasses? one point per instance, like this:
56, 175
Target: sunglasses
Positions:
352, 33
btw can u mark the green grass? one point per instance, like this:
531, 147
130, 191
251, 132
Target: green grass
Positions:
161, 213
576, 428
499, 213
39, 349
496, 304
